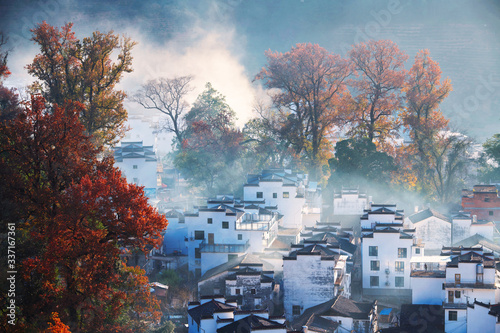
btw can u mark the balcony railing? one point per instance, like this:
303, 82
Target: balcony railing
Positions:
470, 285
223, 248
454, 305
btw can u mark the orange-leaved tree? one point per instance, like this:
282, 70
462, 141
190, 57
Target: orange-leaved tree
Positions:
74, 214
380, 69
424, 91
83, 71
311, 94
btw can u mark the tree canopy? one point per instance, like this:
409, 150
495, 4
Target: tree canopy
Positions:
69, 69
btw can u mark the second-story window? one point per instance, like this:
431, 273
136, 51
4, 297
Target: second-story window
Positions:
275, 195
225, 225
209, 220
375, 265
400, 266
135, 166
402, 252
260, 195
199, 234
373, 251
240, 236
286, 195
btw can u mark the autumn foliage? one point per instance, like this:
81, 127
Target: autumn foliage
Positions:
74, 213
83, 71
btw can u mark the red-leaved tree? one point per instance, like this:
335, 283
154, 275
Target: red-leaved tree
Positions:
74, 213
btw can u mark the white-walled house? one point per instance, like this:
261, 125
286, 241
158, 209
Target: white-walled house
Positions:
312, 274
280, 188
339, 315
386, 250
138, 164
428, 274
350, 202
432, 228
226, 229
214, 314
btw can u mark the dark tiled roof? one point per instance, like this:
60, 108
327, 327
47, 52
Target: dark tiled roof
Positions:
249, 324
333, 240
422, 215
313, 249
244, 260
208, 309
421, 318
339, 306
486, 259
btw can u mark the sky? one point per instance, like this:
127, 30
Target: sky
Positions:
224, 42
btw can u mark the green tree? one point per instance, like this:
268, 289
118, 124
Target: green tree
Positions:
358, 163
83, 71
491, 165
209, 156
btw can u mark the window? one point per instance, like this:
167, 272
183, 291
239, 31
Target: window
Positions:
296, 310
417, 250
225, 225
252, 291
197, 253
490, 212
486, 199
375, 265
457, 278
452, 316
134, 166
237, 291
210, 220
275, 195
286, 195
231, 256
240, 236
136, 180
373, 281
199, 234
373, 251
399, 281
457, 293
402, 252
400, 266
260, 195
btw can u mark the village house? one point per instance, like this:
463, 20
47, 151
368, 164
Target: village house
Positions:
312, 274
483, 201
246, 279
339, 314
139, 165
226, 229
386, 252
215, 314
280, 188
432, 228
348, 206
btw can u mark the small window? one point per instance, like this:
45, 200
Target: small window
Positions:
486, 199
457, 294
417, 250
457, 278
197, 253
260, 195
402, 252
240, 236
400, 266
275, 195
296, 310
252, 291
373, 281
375, 265
210, 220
373, 251
237, 291
135, 166
452, 316
225, 225
231, 256
199, 234
399, 281
286, 195
136, 180
490, 212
